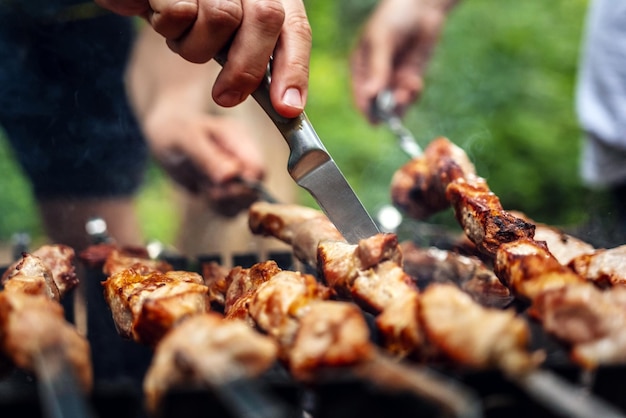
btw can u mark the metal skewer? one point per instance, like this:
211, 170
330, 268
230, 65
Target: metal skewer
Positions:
384, 109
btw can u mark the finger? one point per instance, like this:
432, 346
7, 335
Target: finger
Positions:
238, 142
212, 29
290, 72
209, 158
172, 18
249, 52
407, 86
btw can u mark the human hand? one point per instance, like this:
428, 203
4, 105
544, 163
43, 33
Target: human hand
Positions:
208, 155
254, 30
393, 50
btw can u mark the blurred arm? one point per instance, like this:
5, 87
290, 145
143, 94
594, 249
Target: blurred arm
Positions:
204, 153
393, 50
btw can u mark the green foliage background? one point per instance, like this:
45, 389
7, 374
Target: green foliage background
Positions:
501, 85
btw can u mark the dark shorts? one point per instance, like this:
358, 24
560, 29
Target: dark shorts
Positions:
64, 108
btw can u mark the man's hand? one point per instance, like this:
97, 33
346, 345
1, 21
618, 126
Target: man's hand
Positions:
393, 50
208, 155
253, 30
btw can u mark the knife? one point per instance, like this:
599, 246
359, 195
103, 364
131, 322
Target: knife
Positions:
313, 169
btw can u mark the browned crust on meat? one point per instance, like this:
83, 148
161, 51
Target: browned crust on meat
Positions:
145, 305
482, 217
419, 187
528, 268
33, 329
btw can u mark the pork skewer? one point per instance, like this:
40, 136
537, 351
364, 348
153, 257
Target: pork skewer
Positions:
317, 335
193, 347
362, 271
370, 273
565, 302
34, 334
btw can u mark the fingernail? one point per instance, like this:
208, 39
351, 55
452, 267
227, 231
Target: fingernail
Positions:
293, 98
229, 98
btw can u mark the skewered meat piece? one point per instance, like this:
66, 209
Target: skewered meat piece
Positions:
30, 276
217, 281
482, 217
32, 323
49, 269
371, 274
145, 305
451, 179
432, 265
301, 227
589, 319
329, 334
278, 303
604, 267
419, 187
33, 327
205, 350
243, 284
312, 333
497, 338
119, 260
562, 246
529, 269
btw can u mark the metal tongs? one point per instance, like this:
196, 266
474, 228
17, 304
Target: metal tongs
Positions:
383, 108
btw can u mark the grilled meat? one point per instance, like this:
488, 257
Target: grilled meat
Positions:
432, 265
119, 260
529, 269
496, 338
604, 267
145, 305
32, 322
590, 320
329, 334
33, 327
206, 350
371, 274
301, 227
419, 187
562, 246
482, 217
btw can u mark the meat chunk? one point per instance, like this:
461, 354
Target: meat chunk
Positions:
604, 267
278, 303
472, 275
473, 335
30, 275
301, 227
482, 217
587, 318
419, 187
206, 351
330, 334
528, 268
33, 329
146, 306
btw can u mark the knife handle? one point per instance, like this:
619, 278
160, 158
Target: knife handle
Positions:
306, 149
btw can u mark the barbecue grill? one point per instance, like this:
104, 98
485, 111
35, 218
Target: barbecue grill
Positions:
119, 367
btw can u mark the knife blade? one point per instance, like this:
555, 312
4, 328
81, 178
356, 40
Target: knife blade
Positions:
313, 169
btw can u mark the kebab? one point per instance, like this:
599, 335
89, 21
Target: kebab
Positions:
567, 305
317, 335
371, 274
449, 321
170, 311
34, 334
